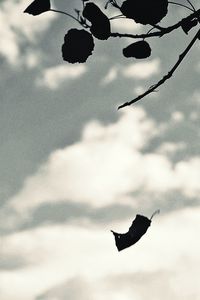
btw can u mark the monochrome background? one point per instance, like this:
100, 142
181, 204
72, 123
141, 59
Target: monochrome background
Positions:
73, 166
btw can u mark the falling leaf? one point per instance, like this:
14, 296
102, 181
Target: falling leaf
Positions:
138, 228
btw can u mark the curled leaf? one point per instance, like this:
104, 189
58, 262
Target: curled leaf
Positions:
137, 229
100, 27
78, 46
38, 7
145, 11
138, 50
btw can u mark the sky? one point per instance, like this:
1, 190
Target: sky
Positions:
73, 167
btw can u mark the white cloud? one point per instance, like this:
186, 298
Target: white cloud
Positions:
188, 174
110, 76
137, 70
56, 254
106, 166
99, 169
17, 28
171, 148
32, 59
177, 116
142, 70
53, 77
139, 90
125, 26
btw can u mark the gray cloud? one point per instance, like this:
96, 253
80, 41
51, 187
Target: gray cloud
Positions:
12, 262
74, 289
70, 212
64, 212
157, 285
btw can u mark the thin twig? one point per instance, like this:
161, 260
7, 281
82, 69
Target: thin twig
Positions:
117, 17
179, 4
136, 36
158, 26
162, 31
191, 4
115, 4
155, 213
152, 28
64, 13
67, 14
167, 76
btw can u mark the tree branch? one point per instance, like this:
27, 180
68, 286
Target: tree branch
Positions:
167, 76
179, 4
162, 31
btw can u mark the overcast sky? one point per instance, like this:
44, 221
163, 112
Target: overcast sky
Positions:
73, 167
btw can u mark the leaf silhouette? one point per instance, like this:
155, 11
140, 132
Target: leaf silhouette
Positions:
100, 27
38, 7
188, 24
145, 11
137, 229
138, 50
78, 45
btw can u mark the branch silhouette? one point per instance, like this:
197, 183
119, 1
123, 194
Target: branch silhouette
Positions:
162, 31
167, 76
79, 45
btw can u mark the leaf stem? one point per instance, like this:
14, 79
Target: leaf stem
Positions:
191, 4
69, 15
179, 4
155, 213
64, 13
117, 17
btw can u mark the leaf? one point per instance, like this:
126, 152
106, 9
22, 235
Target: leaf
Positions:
145, 11
138, 50
78, 46
100, 27
38, 7
137, 229
187, 25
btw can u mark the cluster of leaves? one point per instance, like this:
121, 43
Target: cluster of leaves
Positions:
79, 43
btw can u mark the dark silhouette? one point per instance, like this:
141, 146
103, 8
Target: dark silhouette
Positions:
138, 228
100, 27
146, 12
38, 7
138, 50
187, 25
78, 45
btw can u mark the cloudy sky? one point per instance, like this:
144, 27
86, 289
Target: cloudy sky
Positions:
73, 167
